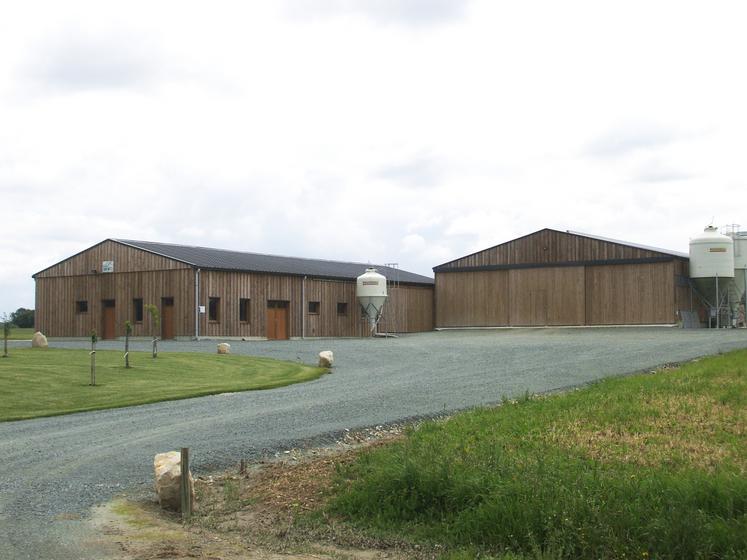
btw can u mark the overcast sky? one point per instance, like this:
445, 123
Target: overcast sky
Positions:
410, 131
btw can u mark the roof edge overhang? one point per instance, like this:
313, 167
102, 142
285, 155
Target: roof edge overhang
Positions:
274, 272
560, 264
218, 269
152, 252
101, 243
311, 276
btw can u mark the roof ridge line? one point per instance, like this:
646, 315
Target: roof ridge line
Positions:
131, 241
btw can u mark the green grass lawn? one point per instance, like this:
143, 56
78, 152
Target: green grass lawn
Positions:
647, 466
17, 333
46, 382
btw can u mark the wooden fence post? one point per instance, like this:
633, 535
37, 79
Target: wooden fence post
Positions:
186, 495
94, 340
93, 368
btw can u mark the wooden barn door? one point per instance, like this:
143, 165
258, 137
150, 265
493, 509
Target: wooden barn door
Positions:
167, 318
277, 320
108, 324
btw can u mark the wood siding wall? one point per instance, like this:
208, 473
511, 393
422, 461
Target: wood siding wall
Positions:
549, 246
410, 308
143, 275
641, 294
413, 305
546, 296
56, 299
472, 299
625, 294
126, 259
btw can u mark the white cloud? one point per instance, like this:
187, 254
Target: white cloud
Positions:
77, 60
630, 138
406, 12
374, 131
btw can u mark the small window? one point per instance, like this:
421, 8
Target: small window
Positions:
213, 305
81, 307
137, 309
244, 310
342, 308
313, 308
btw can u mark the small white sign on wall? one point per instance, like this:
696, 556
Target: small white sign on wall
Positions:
202, 309
107, 266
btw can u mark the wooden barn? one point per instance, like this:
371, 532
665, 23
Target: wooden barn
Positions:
203, 292
553, 277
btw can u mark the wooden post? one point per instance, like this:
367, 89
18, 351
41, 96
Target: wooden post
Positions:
128, 330
6, 334
94, 339
186, 495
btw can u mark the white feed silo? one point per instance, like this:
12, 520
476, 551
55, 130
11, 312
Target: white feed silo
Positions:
712, 268
370, 289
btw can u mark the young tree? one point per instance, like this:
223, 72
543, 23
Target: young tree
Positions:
128, 332
6, 334
155, 321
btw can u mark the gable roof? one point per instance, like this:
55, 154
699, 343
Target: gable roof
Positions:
222, 259
629, 244
504, 254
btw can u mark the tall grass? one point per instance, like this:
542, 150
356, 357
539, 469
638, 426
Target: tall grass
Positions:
646, 466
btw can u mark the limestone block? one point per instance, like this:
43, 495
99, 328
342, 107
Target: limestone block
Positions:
39, 340
168, 471
326, 359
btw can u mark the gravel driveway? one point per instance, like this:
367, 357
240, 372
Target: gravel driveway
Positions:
52, 470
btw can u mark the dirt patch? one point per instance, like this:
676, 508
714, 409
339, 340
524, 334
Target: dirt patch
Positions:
256, 514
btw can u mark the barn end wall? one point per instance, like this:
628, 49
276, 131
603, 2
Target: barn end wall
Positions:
623, 294
552, 277
57, 314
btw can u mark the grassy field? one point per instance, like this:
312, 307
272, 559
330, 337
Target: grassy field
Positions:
648, 466
19, 334
46, 382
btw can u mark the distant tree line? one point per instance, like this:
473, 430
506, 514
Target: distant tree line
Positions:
22, 318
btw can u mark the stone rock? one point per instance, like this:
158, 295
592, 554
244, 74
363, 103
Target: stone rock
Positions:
326, 358
224, 348
168, 471
39, 340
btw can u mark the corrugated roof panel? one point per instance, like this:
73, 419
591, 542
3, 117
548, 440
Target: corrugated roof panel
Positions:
209, 258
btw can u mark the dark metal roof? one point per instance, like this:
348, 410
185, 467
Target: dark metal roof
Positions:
221, 259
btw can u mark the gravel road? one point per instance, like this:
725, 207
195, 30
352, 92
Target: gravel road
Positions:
52, 470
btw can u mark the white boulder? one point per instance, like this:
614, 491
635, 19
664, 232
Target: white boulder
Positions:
326, 358
39, 340
168, 470
224, 348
